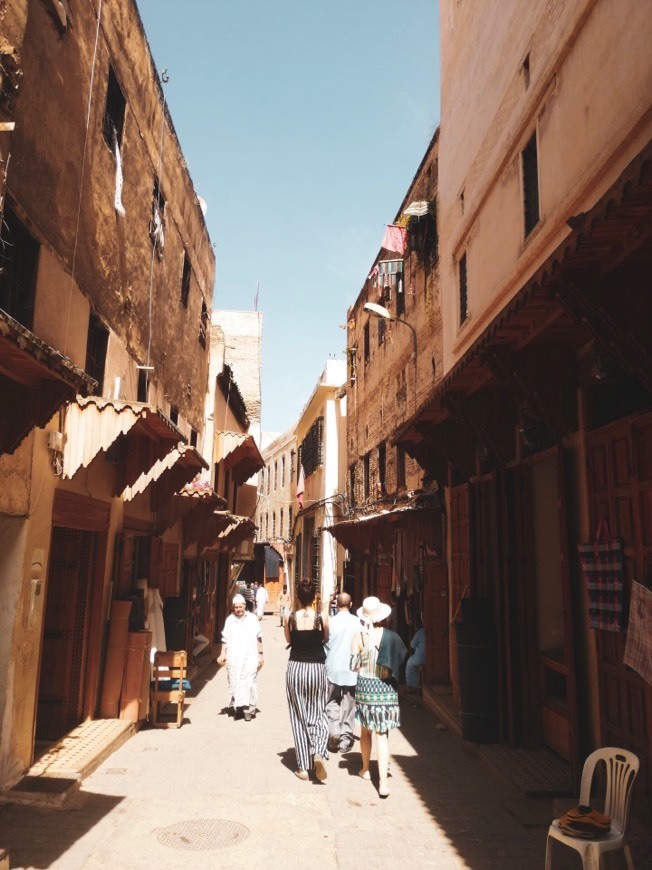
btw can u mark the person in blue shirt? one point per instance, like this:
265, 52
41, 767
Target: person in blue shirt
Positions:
340, 708
416, 660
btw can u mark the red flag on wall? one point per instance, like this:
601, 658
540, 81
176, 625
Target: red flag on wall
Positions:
301, 485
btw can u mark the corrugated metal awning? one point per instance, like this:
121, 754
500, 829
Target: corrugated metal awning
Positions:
94, 424
170, 473
237, 531
35, 380
238, 453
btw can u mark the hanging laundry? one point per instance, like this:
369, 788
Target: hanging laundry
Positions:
117, 201
394, 239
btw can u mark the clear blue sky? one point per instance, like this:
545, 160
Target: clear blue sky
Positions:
303, 123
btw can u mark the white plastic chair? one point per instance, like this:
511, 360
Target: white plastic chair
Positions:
621, 769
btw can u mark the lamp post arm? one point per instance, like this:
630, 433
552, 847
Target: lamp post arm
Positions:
413, 330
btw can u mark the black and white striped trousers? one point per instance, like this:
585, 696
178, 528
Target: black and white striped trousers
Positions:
306, 686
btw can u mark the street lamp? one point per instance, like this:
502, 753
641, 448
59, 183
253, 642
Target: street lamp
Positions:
381, 312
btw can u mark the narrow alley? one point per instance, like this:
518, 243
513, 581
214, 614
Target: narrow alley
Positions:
222, 793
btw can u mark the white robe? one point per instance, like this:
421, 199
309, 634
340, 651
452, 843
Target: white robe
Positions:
240, 636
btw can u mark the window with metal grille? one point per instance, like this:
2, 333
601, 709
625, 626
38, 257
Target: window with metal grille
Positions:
366, 343
400, 466
268, 470
463, 289
266, 525
114, 111
97, 341
290, 521
298, 555
275, 475
282, 471
311, 450
274, 525
18, 266
366, 463
292, 465
185, 280
352, 485
381, 331
316, 557
530, 184
280, 523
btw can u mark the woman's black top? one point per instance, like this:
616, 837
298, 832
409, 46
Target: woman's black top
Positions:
308, 645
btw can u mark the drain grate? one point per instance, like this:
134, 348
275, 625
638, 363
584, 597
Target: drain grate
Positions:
202, 835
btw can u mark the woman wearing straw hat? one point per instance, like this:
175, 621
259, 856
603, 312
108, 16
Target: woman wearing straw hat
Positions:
377, 654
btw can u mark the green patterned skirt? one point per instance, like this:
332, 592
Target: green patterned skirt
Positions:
376, 705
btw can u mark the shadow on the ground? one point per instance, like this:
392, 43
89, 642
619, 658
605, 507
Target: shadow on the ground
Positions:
33, 841
488, 822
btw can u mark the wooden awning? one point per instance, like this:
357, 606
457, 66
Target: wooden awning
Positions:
530, 347
238, 453
35, 381
238, 529
168, 474
360, 534
133, 435
192, 503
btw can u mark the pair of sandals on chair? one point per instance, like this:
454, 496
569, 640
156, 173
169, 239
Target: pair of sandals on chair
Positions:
584, 821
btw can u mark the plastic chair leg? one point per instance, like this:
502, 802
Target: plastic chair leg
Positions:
628, 856
548, 865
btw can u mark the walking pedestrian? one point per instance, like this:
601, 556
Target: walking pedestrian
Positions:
249, 597
262, 597
306, 684
242, 653
377, 655
283, 602
416, 660
340, 707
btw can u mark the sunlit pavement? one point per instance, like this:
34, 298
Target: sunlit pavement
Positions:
222, 793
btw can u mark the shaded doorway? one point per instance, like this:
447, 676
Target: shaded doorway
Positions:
64, 654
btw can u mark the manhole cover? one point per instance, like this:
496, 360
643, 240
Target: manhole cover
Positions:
201, 835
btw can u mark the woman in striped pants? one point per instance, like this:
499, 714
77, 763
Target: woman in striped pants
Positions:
306, 683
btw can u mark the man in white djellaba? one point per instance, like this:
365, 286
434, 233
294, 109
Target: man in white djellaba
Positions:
242, 653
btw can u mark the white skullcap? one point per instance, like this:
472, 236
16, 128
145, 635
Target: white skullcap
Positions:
239, 599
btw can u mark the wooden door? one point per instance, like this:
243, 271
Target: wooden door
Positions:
436, 622
620, 489
66, 631
460, 533
169, 570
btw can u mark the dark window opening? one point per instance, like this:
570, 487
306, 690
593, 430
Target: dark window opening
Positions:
174, 414
400, 300
282, 471
366, 461
366, 343
203, 324
531, 185
290, 521
143, 385
382, 462
291, 465
97, 342
185, 280
280, 523
400, 466
464, 290
381, 331
273, 525
18, 267
193, 437
157, 223
114, 111
352, 485
526, 71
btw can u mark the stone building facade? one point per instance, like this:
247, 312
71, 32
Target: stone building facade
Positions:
393, 530
107, 271
539, 430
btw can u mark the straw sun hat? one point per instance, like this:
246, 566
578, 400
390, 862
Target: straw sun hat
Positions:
373, 610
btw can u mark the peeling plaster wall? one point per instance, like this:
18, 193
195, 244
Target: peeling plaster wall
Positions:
136, 294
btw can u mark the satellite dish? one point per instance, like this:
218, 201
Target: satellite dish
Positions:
202, 205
